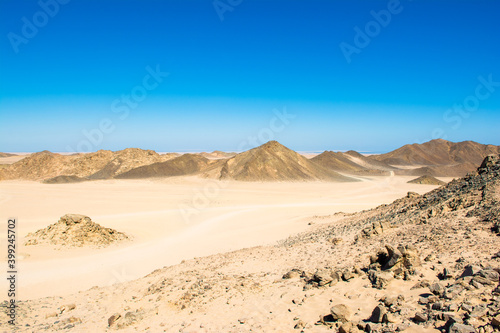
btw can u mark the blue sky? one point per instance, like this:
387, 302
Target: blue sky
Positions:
87, 75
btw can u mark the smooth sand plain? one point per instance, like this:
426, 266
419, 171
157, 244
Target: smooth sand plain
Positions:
169, 220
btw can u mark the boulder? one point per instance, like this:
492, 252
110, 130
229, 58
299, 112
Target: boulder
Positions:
394, 256
378, 314
495, 321
293, 274
461, 328
341, 312
489, 274
436, 288
420, 317
380, 280
113, 319
470, 270
322, 277
349, 328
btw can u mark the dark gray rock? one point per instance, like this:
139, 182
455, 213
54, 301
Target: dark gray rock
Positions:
378, 314
461, 328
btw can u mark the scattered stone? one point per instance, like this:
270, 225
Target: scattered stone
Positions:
420, 317
130, 318
341, 312
436, 288
322, 277
461, 328
466, 307
380, 280
411, 258
470, 270
113, 319
446, 274
438, 306
489, 274
336, 240
293, 274
421, 284
483, 281
430, 257
347, 275
66, 308
300, 325
495, 321
378, 314
394, 256
453, 291
349, 328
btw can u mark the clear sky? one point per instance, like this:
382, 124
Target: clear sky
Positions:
187, 75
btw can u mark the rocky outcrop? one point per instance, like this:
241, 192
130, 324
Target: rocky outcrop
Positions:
75, 230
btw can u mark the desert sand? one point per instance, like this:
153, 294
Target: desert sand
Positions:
233, 215
422, 263
277, 244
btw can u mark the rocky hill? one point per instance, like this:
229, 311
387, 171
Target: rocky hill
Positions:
186, 164
352, 162
424, 263
426, 180
102, 164
75, 230
7, 155
269, 162
439, 152
274, 162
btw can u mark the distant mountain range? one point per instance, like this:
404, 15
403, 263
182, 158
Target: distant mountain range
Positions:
269, 162
438, 158
7, 155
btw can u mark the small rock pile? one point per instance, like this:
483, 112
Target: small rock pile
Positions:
469, 302
466, 303
323, 277
75, 230
390, 263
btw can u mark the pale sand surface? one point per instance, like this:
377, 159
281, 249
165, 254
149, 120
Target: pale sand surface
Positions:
12, 159
230, 216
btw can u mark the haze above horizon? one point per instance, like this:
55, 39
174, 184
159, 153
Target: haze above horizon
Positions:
232, 75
